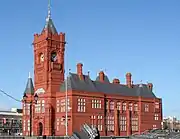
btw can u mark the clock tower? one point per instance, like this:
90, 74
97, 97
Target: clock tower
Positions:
49, 48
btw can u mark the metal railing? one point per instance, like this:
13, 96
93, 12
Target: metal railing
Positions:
57, 137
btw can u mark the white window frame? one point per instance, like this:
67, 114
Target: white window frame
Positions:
157, 105
81, 105
58, 105
118, 105
156, 117
135, 107
57, 124
124, 106
146, 107
130, 106
100, 122
43, 106
28, 125
112, 104
93, 121
123, 123
63, 104
110, 123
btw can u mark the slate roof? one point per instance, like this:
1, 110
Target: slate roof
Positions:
75, 83
105, 79
29, 87
50, 26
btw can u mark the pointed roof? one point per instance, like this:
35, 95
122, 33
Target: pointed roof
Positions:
49, 22
29, 86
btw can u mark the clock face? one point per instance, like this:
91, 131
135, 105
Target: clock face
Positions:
53, 57
42, 57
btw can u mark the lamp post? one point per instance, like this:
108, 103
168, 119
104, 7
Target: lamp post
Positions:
67, 108
66, 99
30, 105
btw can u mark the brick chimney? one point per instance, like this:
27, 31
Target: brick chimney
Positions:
101, 76
79, 70
150, 86
116, 81
128, 80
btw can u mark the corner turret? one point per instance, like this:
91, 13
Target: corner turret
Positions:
29, 86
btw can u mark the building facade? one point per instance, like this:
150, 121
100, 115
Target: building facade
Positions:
114, 108
171, 123
11, 122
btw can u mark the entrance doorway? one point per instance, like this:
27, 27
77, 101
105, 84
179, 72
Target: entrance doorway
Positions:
40, 129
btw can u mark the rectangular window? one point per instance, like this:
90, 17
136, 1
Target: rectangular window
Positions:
27, 107
81, 105
156, 118
123, 123
57, 124
156, 105
57, 106
130, 106
43, 106
111, 105
118, 105
110, 123
135, 107
28, 125
146, 108
38, 107
63, 105
93, 103
24, 125
93, 121
100, 123
99, 104
134, 123
63, 120
96, 103
124, 107
154, 127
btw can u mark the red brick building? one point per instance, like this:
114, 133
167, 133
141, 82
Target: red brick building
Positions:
115, 108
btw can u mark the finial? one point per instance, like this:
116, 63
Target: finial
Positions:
29, 75
49, 9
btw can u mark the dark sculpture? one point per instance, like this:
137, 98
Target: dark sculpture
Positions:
86, 132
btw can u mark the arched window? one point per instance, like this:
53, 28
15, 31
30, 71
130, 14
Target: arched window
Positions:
53, 57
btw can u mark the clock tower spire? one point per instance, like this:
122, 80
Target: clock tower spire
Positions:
49, 47
49, 22
49, 8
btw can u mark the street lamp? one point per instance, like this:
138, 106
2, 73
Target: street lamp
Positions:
30, 103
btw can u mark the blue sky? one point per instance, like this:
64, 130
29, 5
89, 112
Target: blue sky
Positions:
141, 37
